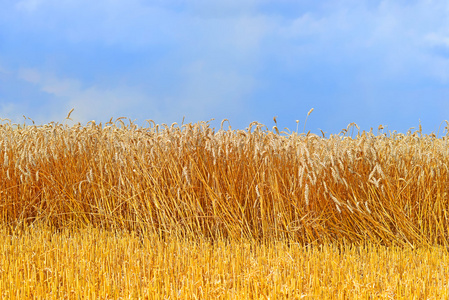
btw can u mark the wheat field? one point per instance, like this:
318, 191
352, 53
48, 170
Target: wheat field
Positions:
118, 211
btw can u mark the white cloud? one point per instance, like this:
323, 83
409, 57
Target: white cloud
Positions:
388, 40
3, 70
29, 5
90, 103
205, 88
9, 111
227, 46
248, 32
438, 39
95, 103
203, 93
214, 51
221, 9
29, 75
140, 24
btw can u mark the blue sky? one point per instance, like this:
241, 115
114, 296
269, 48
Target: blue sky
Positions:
368, 62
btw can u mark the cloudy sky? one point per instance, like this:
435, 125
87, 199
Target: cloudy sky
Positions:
369, 62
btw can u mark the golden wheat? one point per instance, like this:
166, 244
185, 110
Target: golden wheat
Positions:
193, 184
126, 176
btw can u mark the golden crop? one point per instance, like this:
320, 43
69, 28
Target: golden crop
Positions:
245, 213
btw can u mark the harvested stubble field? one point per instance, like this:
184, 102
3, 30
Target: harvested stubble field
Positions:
117, 211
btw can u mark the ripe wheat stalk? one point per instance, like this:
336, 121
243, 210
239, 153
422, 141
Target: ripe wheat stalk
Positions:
167, 188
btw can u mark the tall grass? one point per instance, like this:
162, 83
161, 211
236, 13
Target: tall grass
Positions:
257, 183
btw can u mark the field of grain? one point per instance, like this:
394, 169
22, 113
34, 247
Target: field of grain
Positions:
118, 211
